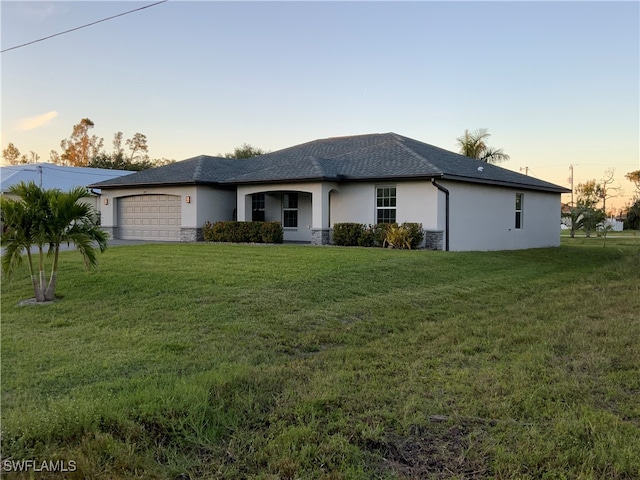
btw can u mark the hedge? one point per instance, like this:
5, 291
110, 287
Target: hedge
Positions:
243, 232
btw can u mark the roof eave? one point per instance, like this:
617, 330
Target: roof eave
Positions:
523, 186
154, 184
278, 180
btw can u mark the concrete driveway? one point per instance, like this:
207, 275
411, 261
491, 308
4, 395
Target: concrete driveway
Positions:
112, 243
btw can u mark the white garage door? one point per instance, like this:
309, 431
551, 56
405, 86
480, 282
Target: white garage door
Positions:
149, 217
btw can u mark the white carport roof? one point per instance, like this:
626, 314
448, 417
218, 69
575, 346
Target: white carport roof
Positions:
55, 176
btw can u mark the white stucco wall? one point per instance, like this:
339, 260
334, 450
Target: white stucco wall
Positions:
483, 218
206, 203
415, 202
213, 205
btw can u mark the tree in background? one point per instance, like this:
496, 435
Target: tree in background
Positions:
84, 150
11, 154
473, 144
586, 215
54, 157
632, 218
136, 160
635, 178
80, 147
138, 146
13, 157
606, 191
245, 151
40, 218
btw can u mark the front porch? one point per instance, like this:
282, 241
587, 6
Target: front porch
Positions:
303, 210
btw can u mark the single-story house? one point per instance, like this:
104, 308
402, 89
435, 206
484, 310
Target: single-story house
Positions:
49, 175
462, 203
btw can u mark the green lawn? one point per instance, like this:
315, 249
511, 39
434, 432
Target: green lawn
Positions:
281, 362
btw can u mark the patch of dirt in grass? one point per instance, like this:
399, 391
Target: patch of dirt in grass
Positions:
440, 453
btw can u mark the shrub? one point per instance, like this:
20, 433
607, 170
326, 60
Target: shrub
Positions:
272, 232
416, 234
243, 232
347, 234
367, 238
408, 235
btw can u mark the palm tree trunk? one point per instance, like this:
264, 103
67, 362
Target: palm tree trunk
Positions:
37, 291
50, 292
42, 276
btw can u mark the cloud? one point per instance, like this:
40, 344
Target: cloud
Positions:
37, 121
37, 11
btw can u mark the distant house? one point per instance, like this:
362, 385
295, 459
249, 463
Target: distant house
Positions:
49, 175
462, 203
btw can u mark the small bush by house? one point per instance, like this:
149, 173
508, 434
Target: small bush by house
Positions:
243, 232
408, 235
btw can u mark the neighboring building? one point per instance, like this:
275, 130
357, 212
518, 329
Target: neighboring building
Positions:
613, 224
462, 203
48, 176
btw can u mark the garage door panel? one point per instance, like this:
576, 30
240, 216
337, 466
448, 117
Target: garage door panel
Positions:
150, 217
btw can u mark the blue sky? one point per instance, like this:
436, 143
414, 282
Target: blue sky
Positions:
556, 83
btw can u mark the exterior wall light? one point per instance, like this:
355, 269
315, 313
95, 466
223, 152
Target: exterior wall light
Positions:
106, 201
188, 199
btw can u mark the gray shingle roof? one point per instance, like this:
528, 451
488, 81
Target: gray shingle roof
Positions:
378, 157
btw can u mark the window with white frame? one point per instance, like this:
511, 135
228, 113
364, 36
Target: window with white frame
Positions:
290, 210
519, 209
257, 207
385, 204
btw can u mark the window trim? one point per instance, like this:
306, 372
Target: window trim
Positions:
286, 201
519, 211
258, 203
393, 202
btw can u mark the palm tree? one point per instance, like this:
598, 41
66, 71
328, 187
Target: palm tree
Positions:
47, 218
472, 144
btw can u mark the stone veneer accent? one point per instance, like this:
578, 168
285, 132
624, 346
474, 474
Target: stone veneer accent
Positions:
191, 235
111, 231
320, 236
434, 239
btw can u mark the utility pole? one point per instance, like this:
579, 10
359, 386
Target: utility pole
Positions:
526, 170
571, 182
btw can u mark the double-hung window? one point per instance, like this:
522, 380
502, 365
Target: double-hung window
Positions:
257, 207
519, 209
385, 204
290, 210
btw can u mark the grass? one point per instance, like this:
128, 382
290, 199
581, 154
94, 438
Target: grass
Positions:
280, 362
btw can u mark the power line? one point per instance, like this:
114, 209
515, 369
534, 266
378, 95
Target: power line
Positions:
82, 26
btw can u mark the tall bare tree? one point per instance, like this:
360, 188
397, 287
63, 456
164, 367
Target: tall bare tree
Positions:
11, 154
78, 149
117, 143
138, 147
606, 188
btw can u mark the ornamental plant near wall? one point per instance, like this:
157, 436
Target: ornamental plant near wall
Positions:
409, 235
